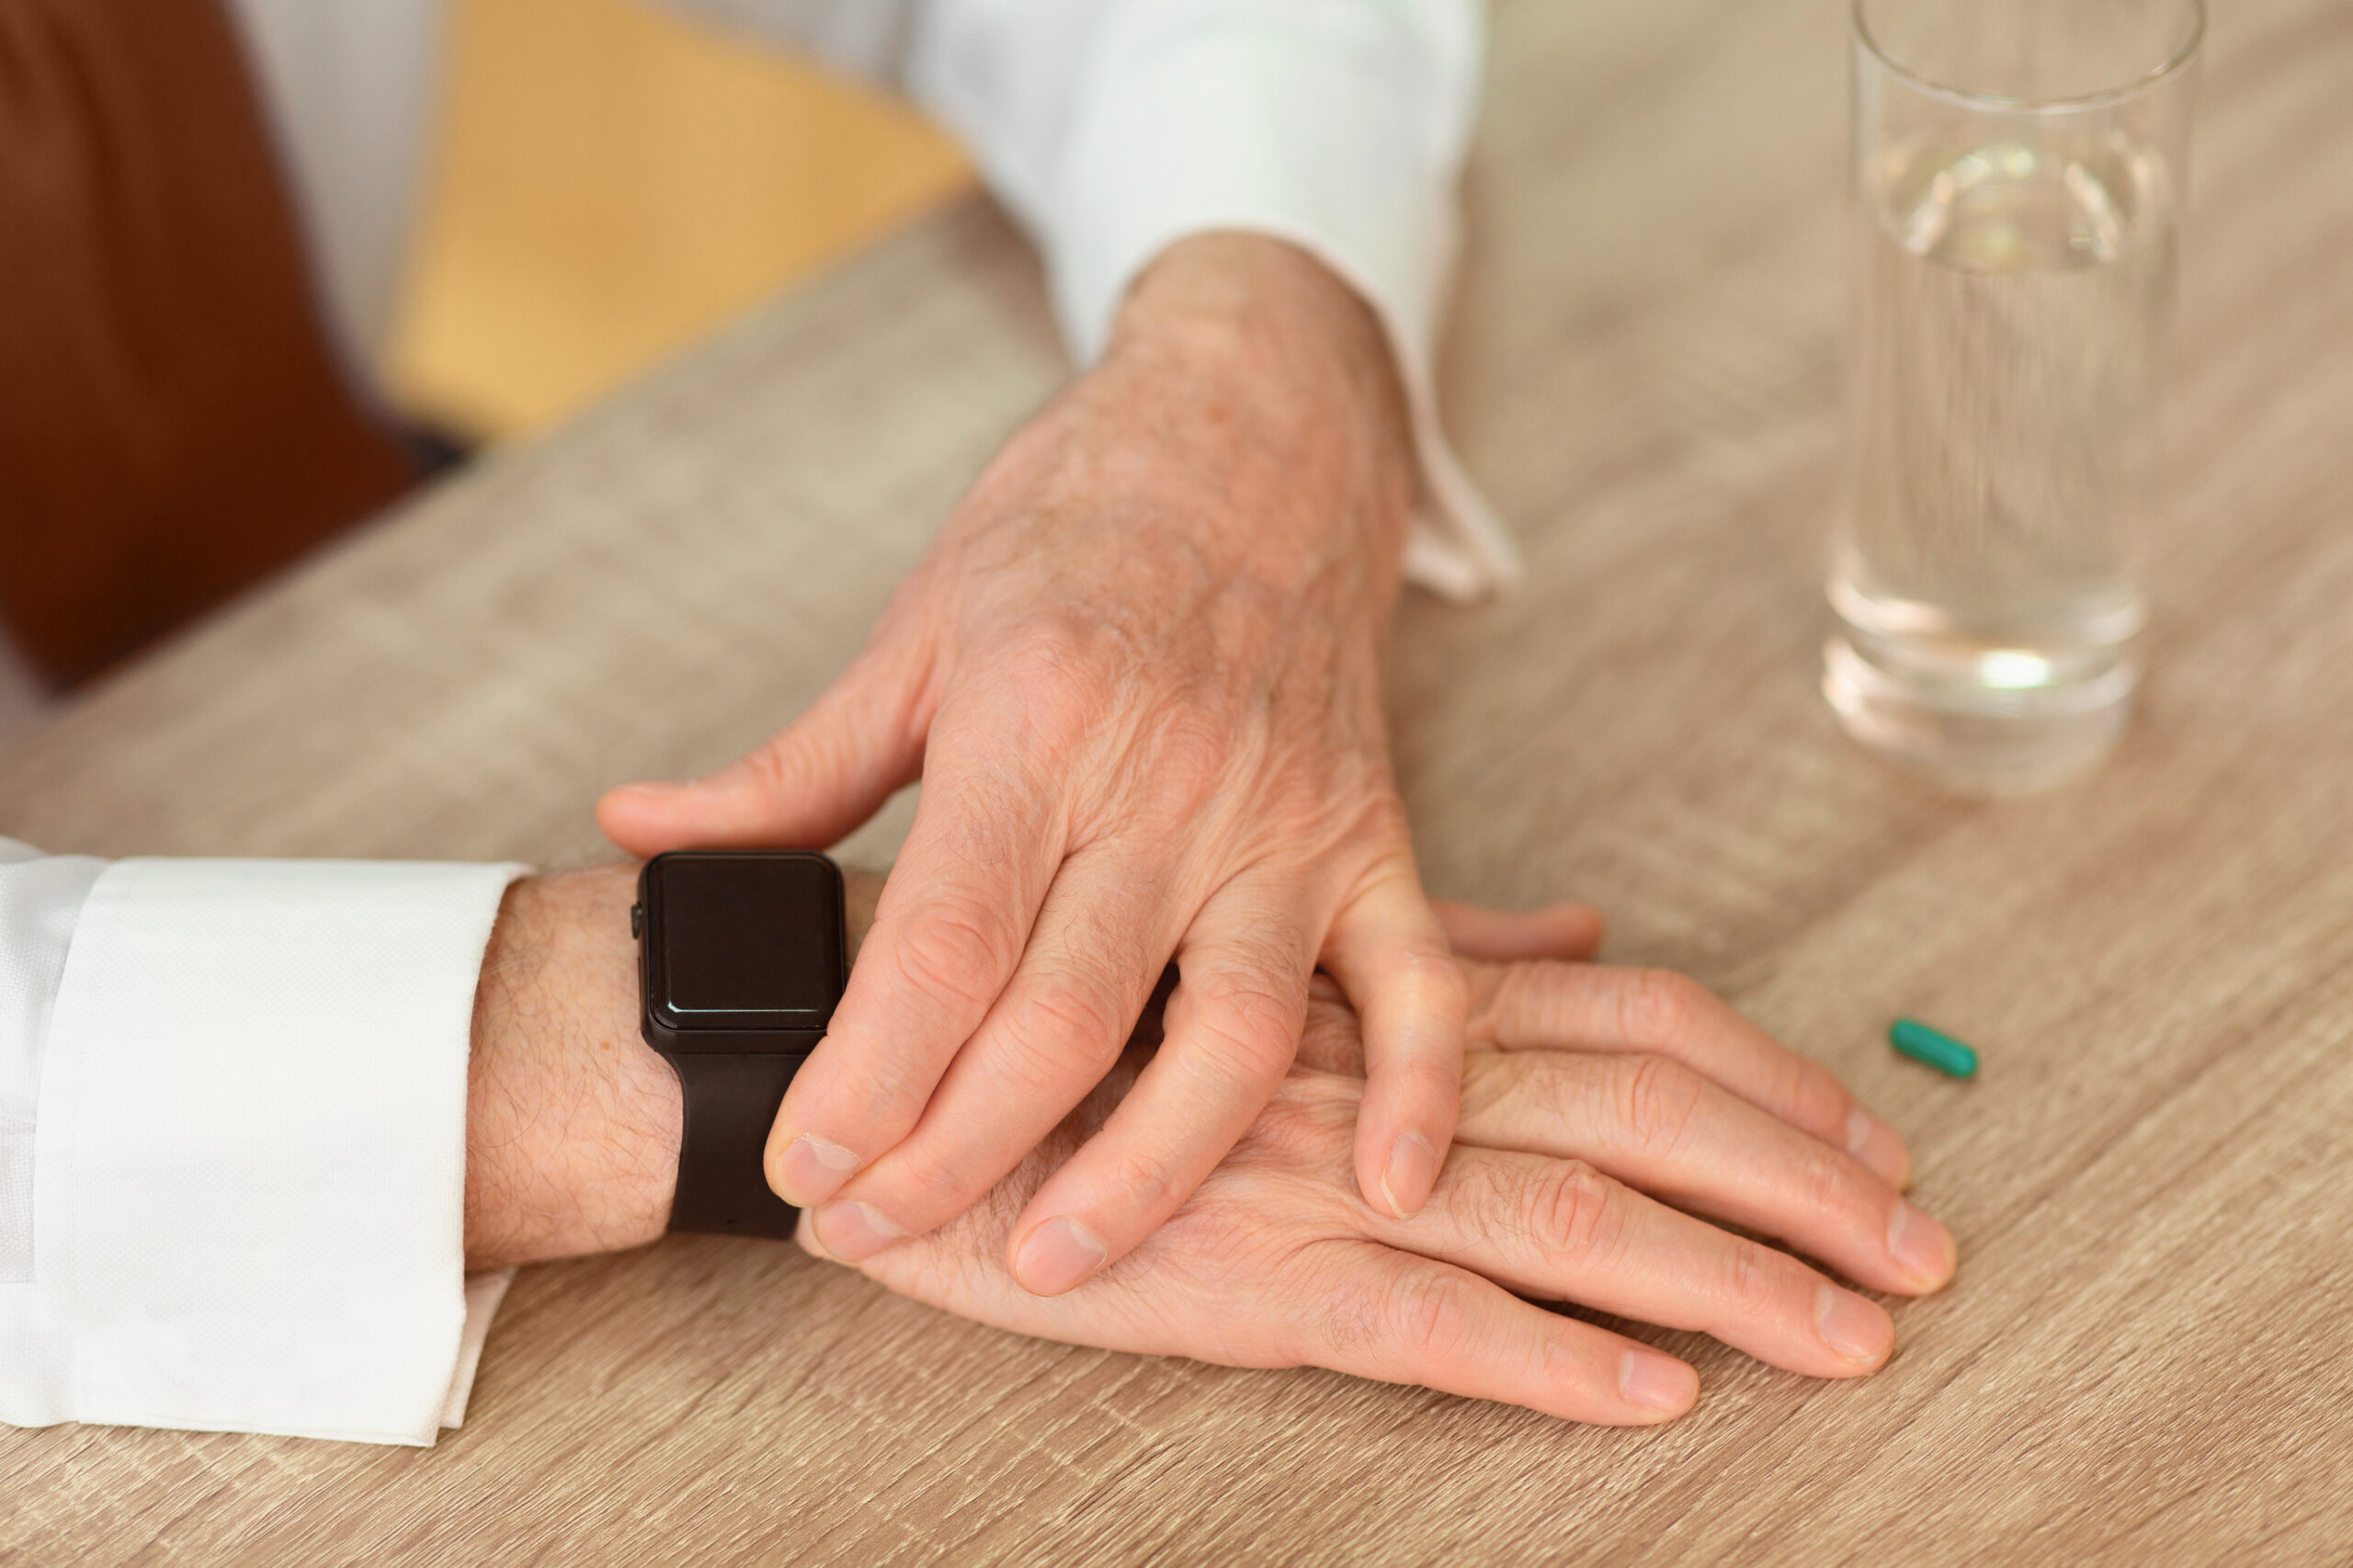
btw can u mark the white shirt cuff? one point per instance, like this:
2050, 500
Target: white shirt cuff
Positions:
1252, 131
483, 1293
250, 1151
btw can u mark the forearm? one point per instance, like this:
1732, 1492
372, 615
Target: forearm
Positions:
571, 1121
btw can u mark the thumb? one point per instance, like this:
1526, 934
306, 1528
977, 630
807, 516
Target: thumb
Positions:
804, 787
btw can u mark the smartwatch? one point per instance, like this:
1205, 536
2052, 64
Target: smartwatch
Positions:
741, 957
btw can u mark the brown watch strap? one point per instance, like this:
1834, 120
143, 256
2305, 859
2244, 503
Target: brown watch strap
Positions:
731, 1102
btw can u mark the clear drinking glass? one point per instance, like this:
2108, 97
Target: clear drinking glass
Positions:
2018, 175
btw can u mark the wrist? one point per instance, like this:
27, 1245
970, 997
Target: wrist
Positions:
1250, 299
1272, 337
572, 1120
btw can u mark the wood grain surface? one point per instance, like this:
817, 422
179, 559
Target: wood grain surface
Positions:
2148, 1356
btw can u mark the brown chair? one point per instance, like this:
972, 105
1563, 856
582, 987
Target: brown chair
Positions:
174, 423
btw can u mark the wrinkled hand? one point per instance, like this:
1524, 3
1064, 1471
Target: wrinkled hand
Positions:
1604, 1111
1139, 676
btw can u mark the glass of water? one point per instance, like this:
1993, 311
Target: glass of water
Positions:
2018, 175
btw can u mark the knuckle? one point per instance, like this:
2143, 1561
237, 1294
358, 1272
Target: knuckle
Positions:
929, 1189
1431, 976
1061, 691
950, 992
1569, 1362
1824, 1194
1658, 1101
1144, 1181
1349, 1316
953, 958
867, 1103
1750, 1282
1426, 957
1244, 1029
1660, 1006
1814, 1096
1079, 1011
1059, 1028
1430, 1314
1578, 1212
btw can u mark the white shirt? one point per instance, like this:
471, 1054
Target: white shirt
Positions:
233, 1093
1110, 127
232, 1118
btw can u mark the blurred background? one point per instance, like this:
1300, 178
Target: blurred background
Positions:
613, 181
602, 183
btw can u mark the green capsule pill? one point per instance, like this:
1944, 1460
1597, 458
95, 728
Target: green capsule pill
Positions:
1939, 1051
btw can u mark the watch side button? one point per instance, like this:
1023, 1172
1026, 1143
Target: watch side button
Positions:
637, 921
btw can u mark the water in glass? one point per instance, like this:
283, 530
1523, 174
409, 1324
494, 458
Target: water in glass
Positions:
2004, 389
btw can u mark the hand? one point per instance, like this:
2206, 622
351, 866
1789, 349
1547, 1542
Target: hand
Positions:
1139, 676
1593, 1098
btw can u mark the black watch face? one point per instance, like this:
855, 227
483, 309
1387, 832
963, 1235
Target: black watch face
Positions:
743, 941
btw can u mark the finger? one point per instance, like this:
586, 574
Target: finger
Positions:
951, 924
805, 787
1232, 1026
1565, 931
1562, 1229
1398, 1318
1389, 954
1096, 952
1582, 1007
1663, 1129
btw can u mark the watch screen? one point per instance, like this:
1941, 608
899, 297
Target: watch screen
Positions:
749, 940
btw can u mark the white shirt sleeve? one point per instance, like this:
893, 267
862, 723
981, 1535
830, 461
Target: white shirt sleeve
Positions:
1112, 128
348, 89
233, 1101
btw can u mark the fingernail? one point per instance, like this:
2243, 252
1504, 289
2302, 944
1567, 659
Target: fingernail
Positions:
1920, 1246
654, 788
1657, 1383
811, 1170
805, 1234
1857, 1329
1059, 1255
855, 1231
1878, 1147
1407, 1179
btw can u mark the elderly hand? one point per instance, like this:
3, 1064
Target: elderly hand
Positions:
1593, 1099
1139, 674
1604, 1111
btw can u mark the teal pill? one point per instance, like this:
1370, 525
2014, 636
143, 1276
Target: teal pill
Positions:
1939, 1051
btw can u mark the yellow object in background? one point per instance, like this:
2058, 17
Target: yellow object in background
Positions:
614, 181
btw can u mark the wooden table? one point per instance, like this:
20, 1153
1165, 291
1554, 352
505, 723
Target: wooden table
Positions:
2149, 1354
